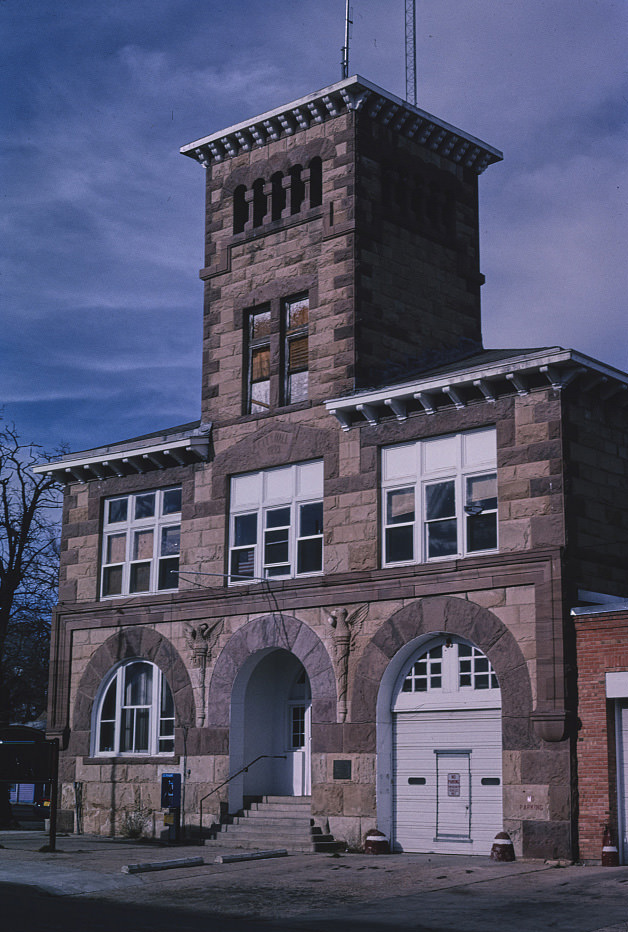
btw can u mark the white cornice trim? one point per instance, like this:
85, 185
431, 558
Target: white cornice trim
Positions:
355, 93
127, 461
481, 382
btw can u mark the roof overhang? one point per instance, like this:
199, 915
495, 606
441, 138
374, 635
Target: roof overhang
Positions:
139, 456
355, 93
456, 388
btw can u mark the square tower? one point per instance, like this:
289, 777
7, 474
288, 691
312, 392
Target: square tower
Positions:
341, 250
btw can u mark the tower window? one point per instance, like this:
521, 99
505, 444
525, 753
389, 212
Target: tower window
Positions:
240, 209
259, 361
278, 196
259, 202
296, 312
297, 189
316, 182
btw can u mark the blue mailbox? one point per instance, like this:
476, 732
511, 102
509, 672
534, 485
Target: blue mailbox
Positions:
171, 791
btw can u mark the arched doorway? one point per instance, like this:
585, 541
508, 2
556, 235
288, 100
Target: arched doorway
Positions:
447, 749
270, 719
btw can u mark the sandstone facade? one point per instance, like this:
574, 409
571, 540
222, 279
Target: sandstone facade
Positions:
378, 225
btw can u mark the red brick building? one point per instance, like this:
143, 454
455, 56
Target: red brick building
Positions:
355, 569
602, 746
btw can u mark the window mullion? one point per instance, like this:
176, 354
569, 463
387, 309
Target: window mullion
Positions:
460, 513
154, 563
293, 537
119, 698
154, 715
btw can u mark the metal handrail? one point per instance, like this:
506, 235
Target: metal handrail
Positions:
228, 780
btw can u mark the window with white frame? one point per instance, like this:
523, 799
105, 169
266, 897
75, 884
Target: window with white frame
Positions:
439, 497
135, 714
447, 671
141, 539
276, 523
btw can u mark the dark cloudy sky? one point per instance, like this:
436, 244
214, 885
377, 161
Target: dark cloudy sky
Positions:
102, 220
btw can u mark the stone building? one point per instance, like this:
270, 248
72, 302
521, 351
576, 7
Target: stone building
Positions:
356, 568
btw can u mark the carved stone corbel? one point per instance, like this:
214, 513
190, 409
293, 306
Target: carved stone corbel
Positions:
201, 641
346, 630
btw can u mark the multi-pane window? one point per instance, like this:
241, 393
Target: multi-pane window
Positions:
474, 668
136, 712
276, 356
426, 673
141, 539
296, 312
277, 523
450, 667
259, 323
297, 727
440, 497
299, 712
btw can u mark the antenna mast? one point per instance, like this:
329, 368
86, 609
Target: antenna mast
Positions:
345, 48
411, 51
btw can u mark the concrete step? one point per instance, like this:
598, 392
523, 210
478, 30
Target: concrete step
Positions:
276, 822
263, 831
261, 816
288, 800
266, 825
280, 807
240, 844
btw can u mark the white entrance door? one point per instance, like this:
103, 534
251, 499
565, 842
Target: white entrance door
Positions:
299, 747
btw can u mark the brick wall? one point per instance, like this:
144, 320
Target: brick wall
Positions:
602, 646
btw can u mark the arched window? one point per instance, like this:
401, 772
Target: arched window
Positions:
259, 202
240, 209
278, 195
316, 182
297, 189
449, 673
135, 714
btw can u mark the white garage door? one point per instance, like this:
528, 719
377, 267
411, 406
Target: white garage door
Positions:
447, 761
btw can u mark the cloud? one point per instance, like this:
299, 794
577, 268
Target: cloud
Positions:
103, 219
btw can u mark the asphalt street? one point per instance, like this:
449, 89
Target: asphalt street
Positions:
82, 886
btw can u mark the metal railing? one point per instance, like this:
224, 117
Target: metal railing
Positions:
201, 840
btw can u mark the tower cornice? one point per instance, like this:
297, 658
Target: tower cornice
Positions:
351, 94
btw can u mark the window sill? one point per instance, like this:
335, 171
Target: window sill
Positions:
133, 759
450, 558
272, 226
137, 595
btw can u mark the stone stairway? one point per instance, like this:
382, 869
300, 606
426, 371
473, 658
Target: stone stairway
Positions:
276, 822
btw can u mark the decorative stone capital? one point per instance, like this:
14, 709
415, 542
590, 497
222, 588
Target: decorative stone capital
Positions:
551, 724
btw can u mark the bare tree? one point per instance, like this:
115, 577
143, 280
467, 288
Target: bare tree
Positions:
29, 558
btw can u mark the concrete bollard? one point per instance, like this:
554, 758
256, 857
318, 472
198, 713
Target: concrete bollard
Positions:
502, 849
376, 843
610, 854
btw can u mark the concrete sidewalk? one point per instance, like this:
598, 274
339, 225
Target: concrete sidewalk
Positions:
312, 891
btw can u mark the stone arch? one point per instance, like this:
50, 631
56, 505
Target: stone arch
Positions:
126, 644
275, 446
392, 647
273, 631
450, 615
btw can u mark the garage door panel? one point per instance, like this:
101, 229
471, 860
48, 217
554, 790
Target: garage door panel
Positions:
448, 780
